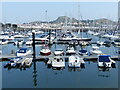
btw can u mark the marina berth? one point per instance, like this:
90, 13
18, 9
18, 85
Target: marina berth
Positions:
23, 52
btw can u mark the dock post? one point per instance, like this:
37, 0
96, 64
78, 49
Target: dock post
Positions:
34, 74
33, 44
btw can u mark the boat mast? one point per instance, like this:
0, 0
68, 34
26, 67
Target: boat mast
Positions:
80, 16
46, 25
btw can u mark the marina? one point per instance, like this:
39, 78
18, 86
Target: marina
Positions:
67, 49
66, 52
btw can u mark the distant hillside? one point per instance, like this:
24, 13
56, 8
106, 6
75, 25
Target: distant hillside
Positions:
104, 21
63, 19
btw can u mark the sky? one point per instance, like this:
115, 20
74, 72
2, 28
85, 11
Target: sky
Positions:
24, 12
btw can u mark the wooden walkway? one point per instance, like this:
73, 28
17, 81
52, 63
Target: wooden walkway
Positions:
39, 58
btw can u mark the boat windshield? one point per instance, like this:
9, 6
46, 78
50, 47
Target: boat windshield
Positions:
104, 58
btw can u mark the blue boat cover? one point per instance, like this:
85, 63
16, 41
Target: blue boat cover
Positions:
83, 51
104, 58
3, 40
23, 50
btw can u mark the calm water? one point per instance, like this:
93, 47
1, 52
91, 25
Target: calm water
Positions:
39, 76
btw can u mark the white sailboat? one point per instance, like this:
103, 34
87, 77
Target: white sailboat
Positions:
45, 50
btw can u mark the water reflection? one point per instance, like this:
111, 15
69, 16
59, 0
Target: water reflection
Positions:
74, 69
34, 74
104, 72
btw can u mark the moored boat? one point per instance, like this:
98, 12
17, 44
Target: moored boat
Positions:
83, 52
45, 51
23, 52
58, 62
70, 51
95, 50
75, 61
59, 51
105, 61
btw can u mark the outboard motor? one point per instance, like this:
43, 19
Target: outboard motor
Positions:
113, 65
82, 65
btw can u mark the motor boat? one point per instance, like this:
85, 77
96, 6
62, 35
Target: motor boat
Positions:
18, 36
96, 33
90, 32
95, 50
83, 52
13, 62
107, 43
23, 52
117, 42
58, 62
59, 51
75, 61
19, 42
29, 42
3, 42
83, 43
105, 61
100, 43
45, 51
6, 36
70, 51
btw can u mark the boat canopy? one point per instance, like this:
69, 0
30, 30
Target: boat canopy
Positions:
23, 50
83, 51
104, 58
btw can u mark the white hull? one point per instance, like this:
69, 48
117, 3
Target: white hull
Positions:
96, 52
106, 64
58, 63
58, 52
74, 61
29, 43
24, 54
